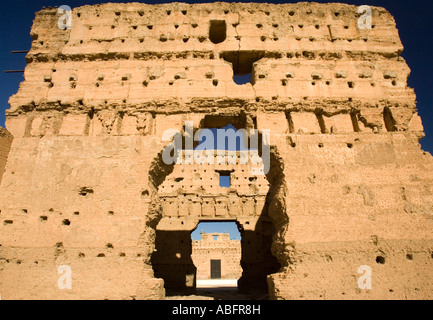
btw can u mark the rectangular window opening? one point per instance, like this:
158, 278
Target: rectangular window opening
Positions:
224, 179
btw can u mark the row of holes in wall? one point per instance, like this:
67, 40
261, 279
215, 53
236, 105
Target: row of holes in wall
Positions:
80, 255
379, 259
305, 54
243, 68
409, 256
217, 27
226, 11
65, 222
215, 83
218, 32
258, 25
284, 82
321, 145
201, 39
248, 62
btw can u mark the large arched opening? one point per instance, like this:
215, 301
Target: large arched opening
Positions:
184, 194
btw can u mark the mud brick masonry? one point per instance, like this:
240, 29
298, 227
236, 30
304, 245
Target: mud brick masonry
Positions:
85, 185
217, 246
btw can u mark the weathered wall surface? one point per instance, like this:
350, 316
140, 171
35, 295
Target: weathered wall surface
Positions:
223, 249
84, 184
191, 193
5, 145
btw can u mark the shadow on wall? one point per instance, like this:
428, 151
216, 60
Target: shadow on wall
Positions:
172, 261
257, 260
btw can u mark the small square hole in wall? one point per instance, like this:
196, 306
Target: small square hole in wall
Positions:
217, 31
224, 179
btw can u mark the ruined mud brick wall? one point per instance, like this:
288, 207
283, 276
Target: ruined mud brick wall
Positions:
222, 248
5, 145
192, 193
349, 184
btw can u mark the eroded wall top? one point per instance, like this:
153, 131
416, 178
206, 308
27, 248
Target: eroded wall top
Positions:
171, 58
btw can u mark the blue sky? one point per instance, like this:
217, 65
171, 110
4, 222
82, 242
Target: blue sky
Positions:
222, 227
414, 21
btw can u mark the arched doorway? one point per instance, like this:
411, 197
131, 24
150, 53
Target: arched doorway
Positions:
186, 193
